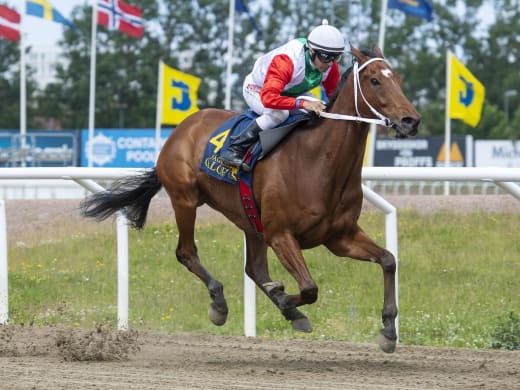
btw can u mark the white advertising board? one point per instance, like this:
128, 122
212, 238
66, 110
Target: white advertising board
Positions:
499, 153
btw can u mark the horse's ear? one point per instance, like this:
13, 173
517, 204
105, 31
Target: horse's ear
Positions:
356, 53
377, 51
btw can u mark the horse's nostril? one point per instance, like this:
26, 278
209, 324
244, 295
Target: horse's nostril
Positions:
410, 124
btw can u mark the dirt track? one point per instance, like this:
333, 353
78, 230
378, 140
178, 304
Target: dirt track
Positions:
32, 360
58, 358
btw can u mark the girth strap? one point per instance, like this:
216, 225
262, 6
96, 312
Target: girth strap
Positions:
250, 207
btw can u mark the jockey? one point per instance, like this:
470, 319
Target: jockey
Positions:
283, 74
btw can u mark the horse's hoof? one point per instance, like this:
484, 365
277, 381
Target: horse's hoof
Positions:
386, 344
217, 317
302, 325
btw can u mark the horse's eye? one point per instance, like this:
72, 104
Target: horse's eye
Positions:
374, 81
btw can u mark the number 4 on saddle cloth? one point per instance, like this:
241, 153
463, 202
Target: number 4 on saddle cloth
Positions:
222, 137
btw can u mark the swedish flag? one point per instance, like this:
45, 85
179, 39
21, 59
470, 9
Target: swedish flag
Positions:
466, 93
44, 9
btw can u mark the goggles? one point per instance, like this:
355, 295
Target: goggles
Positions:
327, 57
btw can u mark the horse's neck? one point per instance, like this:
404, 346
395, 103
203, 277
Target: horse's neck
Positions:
343, 139
336, 147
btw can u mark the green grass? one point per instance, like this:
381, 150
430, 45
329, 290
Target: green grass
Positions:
457, 275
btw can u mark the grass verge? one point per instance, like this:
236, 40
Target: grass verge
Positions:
457, 275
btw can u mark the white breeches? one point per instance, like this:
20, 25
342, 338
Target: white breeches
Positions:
268, 118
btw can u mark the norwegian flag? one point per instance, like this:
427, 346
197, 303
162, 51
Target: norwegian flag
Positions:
118, 15
9, 23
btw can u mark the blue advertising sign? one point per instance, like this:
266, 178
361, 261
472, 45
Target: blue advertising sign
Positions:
121, 148
39, 148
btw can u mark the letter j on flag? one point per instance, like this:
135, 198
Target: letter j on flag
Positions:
466, 93
179, 95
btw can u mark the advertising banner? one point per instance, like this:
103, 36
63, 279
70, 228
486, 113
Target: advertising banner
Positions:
39, 148
497, 153
121, 148
419, 152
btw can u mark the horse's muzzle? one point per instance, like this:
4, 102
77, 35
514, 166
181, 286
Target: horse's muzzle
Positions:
407, 127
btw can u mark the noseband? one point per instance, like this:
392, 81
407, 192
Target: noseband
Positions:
382, 121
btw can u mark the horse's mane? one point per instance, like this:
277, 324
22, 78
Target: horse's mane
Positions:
344, 78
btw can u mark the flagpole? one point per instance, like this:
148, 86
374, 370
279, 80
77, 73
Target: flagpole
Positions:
23, 99
92, 88
447, 121
381, 44
158, 110
382, 25
227, 101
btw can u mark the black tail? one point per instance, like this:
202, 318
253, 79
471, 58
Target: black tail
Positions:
132, 193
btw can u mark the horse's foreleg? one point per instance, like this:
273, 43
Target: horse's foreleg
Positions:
361, 247
187, 255
257, 270
289, 253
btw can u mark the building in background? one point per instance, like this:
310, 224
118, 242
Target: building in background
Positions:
43, 60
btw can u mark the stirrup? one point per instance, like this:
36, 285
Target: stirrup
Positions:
227, 162
245, 167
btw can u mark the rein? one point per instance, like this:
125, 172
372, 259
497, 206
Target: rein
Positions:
383, 120
330, 115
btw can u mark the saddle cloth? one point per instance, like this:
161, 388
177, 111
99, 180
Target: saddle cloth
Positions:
221, 138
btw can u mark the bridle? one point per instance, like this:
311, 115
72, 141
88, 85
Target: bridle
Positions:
382, 121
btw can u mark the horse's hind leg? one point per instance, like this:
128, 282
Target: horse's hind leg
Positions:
187, 255
257, 270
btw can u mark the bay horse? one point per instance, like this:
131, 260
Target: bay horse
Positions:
309, 191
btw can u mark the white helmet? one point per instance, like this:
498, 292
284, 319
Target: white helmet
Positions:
326, 38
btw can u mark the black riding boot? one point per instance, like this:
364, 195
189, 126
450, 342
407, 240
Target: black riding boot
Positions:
235, 152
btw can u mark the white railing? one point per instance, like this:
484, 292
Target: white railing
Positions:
503, 177
84, 177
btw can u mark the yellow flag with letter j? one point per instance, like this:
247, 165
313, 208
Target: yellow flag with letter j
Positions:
179, 95
466, 93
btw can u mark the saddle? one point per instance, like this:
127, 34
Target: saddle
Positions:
221, 138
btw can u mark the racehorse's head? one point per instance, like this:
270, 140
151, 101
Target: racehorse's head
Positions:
379, 92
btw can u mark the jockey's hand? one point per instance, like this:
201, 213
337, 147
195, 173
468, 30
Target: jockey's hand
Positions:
314, 105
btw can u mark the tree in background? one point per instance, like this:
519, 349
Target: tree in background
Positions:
192, 37
490, 52
10, 85
498, 57
126, 75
